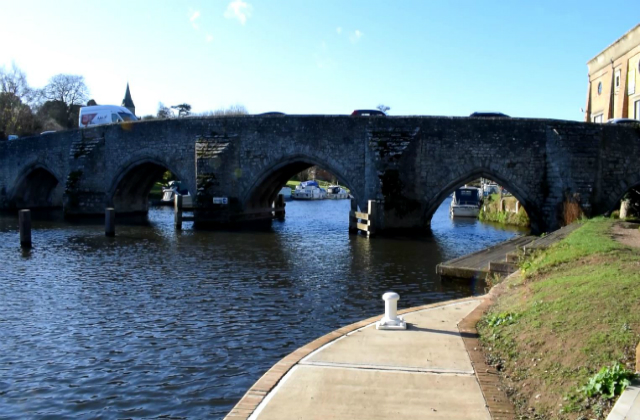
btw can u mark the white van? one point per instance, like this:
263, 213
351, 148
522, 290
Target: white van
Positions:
104, 114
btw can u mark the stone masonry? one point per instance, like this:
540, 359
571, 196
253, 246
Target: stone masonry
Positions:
408, 164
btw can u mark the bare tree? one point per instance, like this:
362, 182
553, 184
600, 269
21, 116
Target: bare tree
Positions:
183, 109
164, 111
14, 81
383, 108
67, 88
233, 110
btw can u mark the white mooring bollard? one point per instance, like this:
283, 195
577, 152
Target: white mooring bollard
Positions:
391, 320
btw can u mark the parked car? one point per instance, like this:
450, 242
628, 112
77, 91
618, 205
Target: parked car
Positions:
489, 115
12, 137
47, 132
368, 113
104, 114
623, 121
271, 114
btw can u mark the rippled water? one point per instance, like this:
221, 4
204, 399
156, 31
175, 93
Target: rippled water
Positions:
156, 322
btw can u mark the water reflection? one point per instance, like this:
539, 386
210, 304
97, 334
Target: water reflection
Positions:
156, 322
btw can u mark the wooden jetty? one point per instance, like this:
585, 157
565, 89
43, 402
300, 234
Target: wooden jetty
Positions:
500, 259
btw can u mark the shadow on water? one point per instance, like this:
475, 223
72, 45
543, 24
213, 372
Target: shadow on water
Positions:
124, 327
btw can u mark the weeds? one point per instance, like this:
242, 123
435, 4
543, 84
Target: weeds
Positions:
608, 382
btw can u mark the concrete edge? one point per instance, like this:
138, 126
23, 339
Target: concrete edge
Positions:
259, 391
496, 399
627, 403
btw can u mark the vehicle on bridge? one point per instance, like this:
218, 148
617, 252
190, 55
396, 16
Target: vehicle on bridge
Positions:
104, 114
489, 115
368, 113
465, 203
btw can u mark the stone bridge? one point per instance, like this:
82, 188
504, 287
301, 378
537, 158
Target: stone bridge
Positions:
408, 164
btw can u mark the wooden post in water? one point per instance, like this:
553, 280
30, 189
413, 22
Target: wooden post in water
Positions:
110, 221
353, 222
177, 208
24, 220
373, 217
279, 212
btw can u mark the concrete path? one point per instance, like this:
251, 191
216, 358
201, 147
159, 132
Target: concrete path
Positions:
424, 372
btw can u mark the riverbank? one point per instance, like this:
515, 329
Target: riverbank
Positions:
506, 210
573, 310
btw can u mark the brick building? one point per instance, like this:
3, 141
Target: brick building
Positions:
614, 80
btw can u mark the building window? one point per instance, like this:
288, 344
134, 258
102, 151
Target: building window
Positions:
597, 118
617, 79
636, 110
599, 88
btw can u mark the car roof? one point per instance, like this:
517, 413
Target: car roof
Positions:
623, 121
489, 115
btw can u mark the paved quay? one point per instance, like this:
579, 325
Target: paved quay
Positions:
432, 370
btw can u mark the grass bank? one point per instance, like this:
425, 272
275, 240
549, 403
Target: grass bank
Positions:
492, 211
574, 310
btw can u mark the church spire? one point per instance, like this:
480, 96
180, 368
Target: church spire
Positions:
127, 102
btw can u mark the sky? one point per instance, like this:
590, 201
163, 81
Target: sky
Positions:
422, 57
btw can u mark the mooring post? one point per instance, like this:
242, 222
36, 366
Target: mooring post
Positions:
280, 207
391, 320
177, 208
353, 222
24, 220
110, 221
373, 217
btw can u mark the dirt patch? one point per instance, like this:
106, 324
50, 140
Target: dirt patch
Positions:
626, 233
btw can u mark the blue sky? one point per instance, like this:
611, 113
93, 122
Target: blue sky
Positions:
423, 57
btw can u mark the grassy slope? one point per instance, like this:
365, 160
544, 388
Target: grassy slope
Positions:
577, 309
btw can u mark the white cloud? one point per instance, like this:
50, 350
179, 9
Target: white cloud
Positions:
339, 30
194, 16
209, 38
355, 37
240, 10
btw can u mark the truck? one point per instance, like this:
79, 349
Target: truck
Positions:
104, 114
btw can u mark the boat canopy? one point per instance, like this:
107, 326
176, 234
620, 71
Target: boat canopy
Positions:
467, 196
306, 184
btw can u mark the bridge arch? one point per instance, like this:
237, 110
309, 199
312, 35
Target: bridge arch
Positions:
619, 191
36, 186
130, 188
523, 196
263, 191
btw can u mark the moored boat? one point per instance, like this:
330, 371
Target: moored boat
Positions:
465, 202
336, 192
309, 190
171, 190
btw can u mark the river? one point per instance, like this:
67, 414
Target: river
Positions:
156, 322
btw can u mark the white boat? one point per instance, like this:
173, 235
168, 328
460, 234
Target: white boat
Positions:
465, 202
309, 190
171, 190
336, 192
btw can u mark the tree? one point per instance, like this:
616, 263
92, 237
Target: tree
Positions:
164, 112
67, 88
383, 108
232, 111
14, 81
183, 109
16, 116
92, 102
